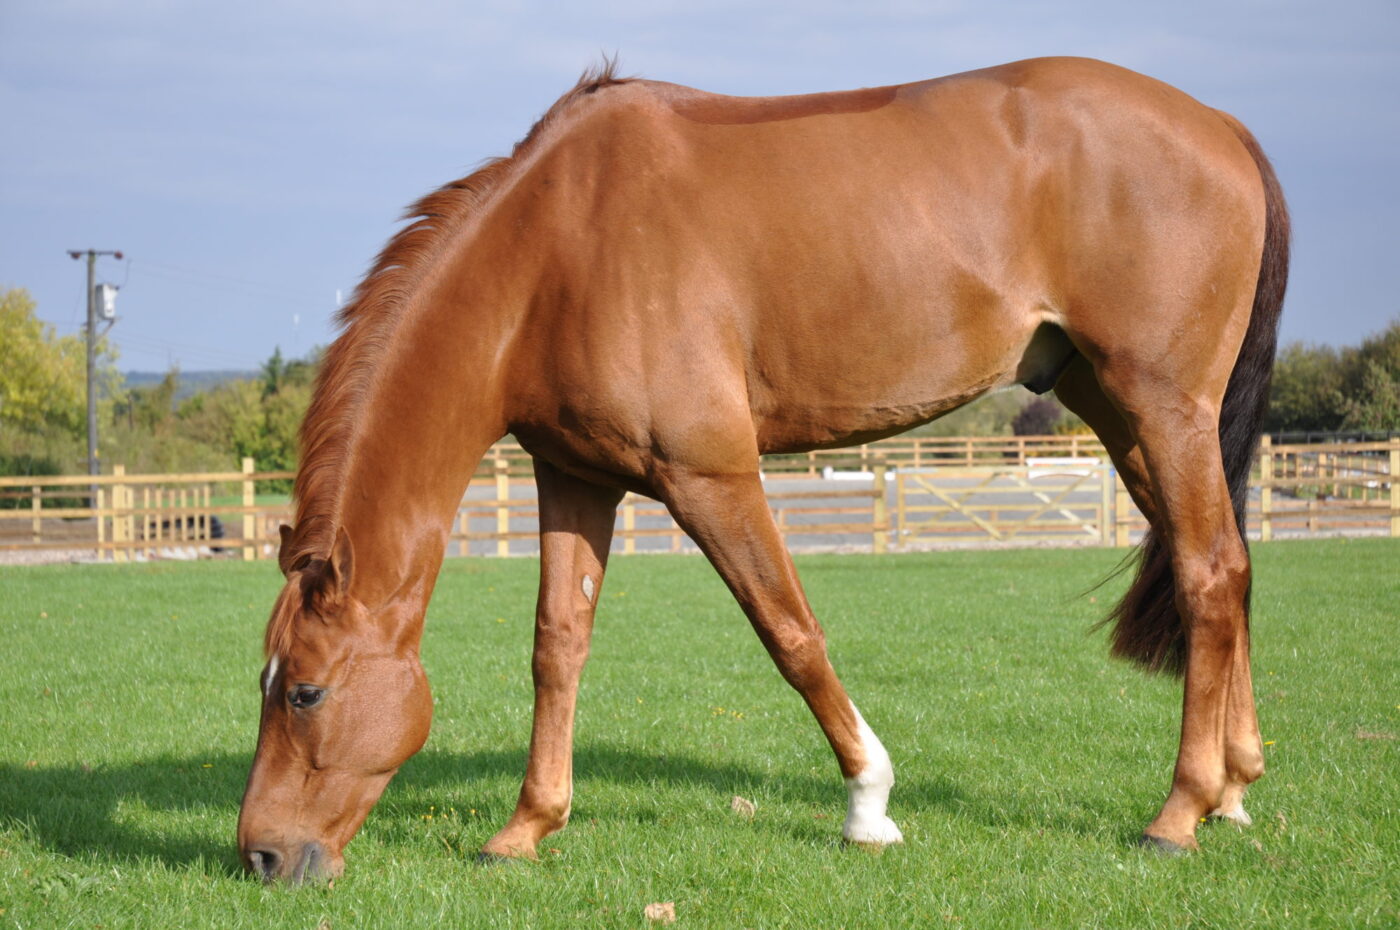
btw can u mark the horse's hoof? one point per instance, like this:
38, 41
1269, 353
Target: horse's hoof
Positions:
484, 858
1162, 845
875, 834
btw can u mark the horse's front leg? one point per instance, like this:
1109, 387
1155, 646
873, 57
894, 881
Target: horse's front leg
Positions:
576, 527
728, 516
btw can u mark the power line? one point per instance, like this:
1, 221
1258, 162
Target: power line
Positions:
228, 282
147, 343
195, 353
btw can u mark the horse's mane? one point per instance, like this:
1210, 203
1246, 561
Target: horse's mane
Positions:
367, 325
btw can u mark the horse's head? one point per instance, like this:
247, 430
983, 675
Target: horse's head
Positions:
345, 703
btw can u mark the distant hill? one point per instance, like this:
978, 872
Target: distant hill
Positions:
191, 382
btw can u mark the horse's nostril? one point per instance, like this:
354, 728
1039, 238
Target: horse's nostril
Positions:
313, 865
265, 863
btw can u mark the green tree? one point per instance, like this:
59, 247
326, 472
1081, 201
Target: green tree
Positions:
1318, 388
259, 419
1370, 382
1375, 404
43, 387
1306, 392
148, 407
43, 377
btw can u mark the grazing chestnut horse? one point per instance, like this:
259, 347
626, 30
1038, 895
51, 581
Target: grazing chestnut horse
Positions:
661, 285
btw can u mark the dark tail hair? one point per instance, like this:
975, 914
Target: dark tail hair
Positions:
1147, 628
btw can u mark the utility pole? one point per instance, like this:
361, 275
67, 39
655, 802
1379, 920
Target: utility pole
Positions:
92, 351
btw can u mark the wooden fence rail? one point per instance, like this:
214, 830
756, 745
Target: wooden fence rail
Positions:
896, 494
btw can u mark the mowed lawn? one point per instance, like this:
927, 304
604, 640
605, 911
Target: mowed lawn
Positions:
1027, 762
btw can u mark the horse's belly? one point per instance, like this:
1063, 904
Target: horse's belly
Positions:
863, 384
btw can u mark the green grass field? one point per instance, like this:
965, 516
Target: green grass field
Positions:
1026, 761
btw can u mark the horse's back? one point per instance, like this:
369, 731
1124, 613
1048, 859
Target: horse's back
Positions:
859, 262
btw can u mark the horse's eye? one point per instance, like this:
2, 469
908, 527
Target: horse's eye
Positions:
304, 696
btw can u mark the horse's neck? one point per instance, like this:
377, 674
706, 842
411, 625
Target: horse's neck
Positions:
428, 420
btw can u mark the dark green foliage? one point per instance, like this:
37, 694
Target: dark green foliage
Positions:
23, 464
154, 430
1321, 389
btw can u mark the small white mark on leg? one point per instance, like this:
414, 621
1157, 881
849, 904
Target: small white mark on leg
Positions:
870, 793
1232, 806
588, 588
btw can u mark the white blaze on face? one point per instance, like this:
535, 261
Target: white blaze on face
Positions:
588, 588
870, 793
269, 676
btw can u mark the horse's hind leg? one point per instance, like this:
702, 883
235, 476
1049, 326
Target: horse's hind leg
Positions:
728, 516
1080, 391
1178, 436
1244, 750
576, 527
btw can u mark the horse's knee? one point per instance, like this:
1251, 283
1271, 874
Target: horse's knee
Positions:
559, 654
800, 655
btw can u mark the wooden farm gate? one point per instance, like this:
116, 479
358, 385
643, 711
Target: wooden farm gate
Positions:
1070, 501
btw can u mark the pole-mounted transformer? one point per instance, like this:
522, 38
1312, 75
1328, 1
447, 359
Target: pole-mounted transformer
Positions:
100, 304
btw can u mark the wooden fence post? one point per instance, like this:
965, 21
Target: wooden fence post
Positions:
502, 507
37, 505
1266, 489
208, 518
120, 515
99, 501
1395, 487
1121, 503
250, 519
1106, 473
629, 523
146, 520
880, 512
901, 491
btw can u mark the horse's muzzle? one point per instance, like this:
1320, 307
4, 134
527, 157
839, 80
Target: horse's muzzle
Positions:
306, 863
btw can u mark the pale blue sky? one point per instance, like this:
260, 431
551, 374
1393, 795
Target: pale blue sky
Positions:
250, 158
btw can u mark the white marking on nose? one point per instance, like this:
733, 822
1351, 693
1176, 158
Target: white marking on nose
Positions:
588, 588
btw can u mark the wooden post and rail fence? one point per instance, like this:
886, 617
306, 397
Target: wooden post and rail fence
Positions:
899, 494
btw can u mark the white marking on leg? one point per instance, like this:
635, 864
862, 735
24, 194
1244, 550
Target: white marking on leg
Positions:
1237, 815
588, 588
870, 793
1232, 807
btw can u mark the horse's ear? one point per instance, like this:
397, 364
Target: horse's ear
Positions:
341, 563
284, 551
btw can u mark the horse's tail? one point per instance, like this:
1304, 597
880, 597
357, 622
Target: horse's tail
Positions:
1147, 628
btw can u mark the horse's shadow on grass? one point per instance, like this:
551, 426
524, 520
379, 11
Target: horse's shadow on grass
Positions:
104, 811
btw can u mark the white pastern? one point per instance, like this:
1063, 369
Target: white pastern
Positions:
1236, 815
866, 822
